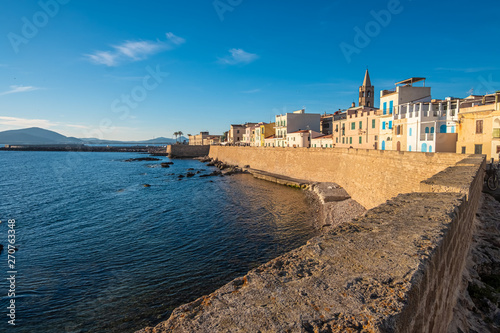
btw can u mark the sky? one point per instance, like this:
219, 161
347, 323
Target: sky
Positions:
136, 70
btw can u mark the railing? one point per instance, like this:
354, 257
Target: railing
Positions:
427, 137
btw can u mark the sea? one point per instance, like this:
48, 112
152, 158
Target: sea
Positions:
105, 245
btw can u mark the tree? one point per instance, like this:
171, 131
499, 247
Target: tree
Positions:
176, 134
180, 134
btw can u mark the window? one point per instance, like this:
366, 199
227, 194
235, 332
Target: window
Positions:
369, 94
360, 140
479, 126
385, 108
383, 125
430, 149
360, 125
337, 128
238, 131
362, 94
353, 125
373, 123
432, 130
442, 128
390, 124
343, 140
478, 149
427, 130
409, 133
368, 104
463, 149
336, 140
424, 148
350, 140
496, 132
383, 145
376, 137
409, 148
391, 106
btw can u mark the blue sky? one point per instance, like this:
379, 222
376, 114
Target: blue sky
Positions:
133, 70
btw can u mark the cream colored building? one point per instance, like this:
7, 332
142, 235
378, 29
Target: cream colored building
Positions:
325, 141
292, 122
479, 126
405, 92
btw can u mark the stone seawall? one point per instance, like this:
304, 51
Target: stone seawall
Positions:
396, 269
370, 176
187, 151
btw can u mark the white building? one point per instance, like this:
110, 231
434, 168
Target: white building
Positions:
292, 122
301, 138
429, 127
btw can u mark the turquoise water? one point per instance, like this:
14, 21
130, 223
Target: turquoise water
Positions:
99, 252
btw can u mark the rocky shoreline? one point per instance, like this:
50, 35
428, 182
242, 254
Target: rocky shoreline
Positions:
333, 207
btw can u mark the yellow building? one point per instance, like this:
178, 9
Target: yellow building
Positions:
479, 126
266, 130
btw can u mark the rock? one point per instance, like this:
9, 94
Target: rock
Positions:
165, 165
190, 169
146, 185
190, 174
214, 173
139, 159
180, 176
1, 248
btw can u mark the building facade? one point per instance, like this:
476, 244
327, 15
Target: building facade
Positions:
292, 122
479, 126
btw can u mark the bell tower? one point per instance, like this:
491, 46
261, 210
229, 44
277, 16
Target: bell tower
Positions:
366, 91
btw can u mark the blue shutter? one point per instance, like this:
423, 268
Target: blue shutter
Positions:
391, 106
385, 107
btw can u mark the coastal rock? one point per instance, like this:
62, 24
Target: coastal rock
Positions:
165, 165
190, 174
139, 159
214, 173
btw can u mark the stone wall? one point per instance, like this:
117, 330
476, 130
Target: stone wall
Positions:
187, 151
370, 176
396, 269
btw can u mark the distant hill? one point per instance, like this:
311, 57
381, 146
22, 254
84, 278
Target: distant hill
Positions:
156, 141
35, 136
40, 136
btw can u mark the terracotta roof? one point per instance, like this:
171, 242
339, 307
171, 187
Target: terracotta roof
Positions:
328, 136
300, 131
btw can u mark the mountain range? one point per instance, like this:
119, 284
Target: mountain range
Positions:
40, 136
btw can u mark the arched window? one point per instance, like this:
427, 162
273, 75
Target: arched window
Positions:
442, 128
362, 94
432, 129
383, 145
430, 149
427, 130
369, 94
409, 148
424, 148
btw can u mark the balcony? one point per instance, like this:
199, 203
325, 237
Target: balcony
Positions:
427, 137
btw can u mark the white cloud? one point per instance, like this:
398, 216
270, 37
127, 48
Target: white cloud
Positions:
238, 56
175, 39
134, 50
18, 89
13, 122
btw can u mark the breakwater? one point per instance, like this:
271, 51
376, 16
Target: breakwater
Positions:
396, 269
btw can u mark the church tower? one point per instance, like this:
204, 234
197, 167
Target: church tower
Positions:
366, 91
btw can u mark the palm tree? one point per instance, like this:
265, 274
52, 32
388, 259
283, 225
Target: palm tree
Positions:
180, 133
176, 134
